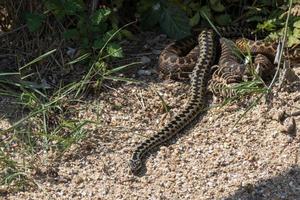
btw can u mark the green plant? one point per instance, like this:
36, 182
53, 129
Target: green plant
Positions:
90, 30
43, 126
176, 18
48, 123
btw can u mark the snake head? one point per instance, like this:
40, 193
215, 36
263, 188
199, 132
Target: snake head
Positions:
135, 165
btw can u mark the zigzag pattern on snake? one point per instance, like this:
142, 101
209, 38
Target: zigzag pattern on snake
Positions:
181, 57
228, 71
207, 55
231, 71
206, 58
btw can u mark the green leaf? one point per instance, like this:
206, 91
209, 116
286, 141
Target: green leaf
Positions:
34, 21
195, 19
114, 50
98, 43
100, 15
151, 17
73, 6
109, 34
296, 32
216, 5
223, 19
297, 24
267, 25
292, 40
175, 23
101, 41
194, 6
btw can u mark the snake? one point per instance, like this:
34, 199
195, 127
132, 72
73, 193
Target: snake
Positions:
231, 71
228, 71
207, 54
178, 60
295, 11
206, 43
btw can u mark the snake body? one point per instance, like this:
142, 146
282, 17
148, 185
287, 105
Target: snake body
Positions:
195, 105
171, 64
266, 48
178, 59
228, 71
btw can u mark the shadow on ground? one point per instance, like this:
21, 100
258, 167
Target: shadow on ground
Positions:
285, 186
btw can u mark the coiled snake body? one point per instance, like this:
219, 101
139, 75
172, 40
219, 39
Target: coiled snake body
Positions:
178, 59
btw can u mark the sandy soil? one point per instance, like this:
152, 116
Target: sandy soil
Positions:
211, 159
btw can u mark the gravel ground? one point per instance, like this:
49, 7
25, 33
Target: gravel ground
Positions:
211, 159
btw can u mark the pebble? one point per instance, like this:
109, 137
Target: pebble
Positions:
289, 126
143, 72
145, 59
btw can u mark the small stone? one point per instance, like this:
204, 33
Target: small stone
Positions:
145, 59
71, 52
280, 116
144, 72
289, 126
3, 189
291, 76
156, 52
78, 180
274, 134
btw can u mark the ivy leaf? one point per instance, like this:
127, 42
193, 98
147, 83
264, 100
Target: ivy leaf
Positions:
100, 15
292, 40
296, 32
114, 50
34, 21
267, 25
109, 35
175, 23
104, 39
273, 36
297, 24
